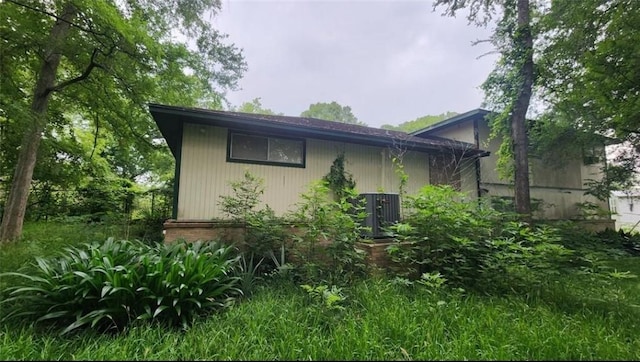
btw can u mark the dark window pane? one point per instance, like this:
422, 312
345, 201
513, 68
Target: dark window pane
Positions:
284, 150
249, 147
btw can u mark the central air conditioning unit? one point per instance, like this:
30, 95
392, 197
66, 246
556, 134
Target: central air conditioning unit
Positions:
382, 210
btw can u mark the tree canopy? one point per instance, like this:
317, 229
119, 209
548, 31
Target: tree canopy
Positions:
585, 79
254, 106
67, 63
591, 65
332, 112
509, 87
419, 123
589, 80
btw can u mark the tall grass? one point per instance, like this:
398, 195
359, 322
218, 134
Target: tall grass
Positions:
574, 317
47, 238
381, 321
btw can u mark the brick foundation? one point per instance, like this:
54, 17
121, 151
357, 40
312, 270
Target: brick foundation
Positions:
230, 232
203, 230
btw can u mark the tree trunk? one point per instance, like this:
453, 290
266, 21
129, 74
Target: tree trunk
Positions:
523, 41
14, 211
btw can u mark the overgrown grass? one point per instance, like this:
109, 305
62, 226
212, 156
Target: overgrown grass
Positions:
381, 322
572, 318
45, 239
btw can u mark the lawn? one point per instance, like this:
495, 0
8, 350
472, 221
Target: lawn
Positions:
571, 318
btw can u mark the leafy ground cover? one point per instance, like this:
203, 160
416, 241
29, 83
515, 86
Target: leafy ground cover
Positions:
570, 317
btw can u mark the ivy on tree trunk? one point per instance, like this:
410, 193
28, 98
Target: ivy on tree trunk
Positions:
524, 45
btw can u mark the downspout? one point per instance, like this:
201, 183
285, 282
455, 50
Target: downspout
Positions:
176, 177
476, 139
604, 158
383, 153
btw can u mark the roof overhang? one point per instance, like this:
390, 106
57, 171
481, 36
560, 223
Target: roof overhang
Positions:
449, 122
170, 121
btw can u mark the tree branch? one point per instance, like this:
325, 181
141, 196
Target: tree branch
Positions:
54, 16
84, 75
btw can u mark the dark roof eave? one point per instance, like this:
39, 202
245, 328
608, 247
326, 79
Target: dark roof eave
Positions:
452, 121
162, 114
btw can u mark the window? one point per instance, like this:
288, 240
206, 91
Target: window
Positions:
280, 151
591, 155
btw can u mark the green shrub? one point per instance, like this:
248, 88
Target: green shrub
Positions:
326, 302
621, 240
471, 244
592, 251
264, 232
328, 232
106, 286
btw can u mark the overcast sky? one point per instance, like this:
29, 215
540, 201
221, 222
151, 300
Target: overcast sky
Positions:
390, 61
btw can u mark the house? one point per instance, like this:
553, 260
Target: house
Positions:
558, 191
625, 205
213, 148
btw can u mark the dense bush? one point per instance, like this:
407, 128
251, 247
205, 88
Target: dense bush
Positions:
264, 231
106, 286
325, 244
592, 251
621, 239
471, 244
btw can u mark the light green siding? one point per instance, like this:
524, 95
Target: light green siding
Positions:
205, 173
559, 188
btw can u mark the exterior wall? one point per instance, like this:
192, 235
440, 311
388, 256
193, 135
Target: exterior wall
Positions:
556, 203
460, 132
205, 173
488, 165
560, 189
626, 209
468, 178
465, 174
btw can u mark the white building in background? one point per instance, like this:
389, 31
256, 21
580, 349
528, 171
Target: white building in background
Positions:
625, 206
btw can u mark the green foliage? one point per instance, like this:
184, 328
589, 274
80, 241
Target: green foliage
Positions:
124, 53
589, 65
403, 178
628, 240
592, 253
338, 179
328, 303
329, 299
472, 245
380, 318
331, 112
246, 196
572, 319
264, 230
328, 232
419, 123
590, 210
433, 280
107, 286
614, 177
254, 106
248, 273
